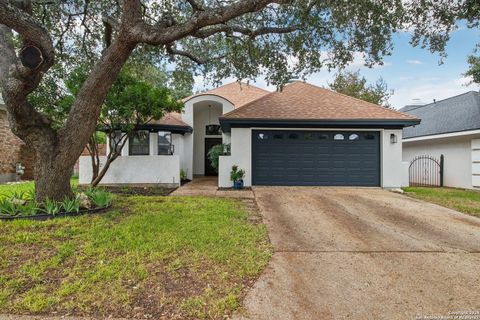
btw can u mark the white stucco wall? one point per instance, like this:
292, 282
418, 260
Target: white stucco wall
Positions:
457, 154
151, 169
241, 155
393, 169
136, 170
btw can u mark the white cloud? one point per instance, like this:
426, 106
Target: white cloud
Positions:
359, 63
414, 62
463, 81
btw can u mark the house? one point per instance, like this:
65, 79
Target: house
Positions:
301, 135
13, 152
451, 128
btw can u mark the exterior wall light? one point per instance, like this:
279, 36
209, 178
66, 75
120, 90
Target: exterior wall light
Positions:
393, 138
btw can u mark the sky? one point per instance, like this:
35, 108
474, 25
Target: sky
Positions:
412, 73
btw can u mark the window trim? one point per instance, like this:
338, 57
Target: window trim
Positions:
170, 145
130, 143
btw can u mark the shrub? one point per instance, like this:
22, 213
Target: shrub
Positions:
52, 207
183, 174
70, 205
28, 209
236, 175
215, 152
99, 197
8, 208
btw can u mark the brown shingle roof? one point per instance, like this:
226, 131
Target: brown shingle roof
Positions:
303, 101
171, 119
238, 93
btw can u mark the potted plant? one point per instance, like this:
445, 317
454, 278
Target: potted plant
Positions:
236, 176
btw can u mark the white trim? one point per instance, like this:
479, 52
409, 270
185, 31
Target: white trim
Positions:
443, 135
317, 129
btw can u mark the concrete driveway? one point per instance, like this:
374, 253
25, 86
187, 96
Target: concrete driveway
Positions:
345, 253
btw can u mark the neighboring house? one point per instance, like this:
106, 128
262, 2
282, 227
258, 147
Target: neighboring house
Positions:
12, 152
450, 127
302, 135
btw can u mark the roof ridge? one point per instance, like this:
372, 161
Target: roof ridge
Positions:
350, 97
452, 97
249, 103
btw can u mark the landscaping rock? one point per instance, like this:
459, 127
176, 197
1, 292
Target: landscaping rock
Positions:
85, 201
18, 202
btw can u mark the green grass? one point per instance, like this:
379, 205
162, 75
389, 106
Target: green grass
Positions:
7, 189
187, 256
466, 201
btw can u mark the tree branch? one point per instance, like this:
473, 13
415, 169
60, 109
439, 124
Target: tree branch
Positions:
196, 6
16, 80
209, 31
155, 35
183, 53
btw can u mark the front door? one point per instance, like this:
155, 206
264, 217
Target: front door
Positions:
209, 143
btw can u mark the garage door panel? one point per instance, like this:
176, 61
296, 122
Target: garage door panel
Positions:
315, 158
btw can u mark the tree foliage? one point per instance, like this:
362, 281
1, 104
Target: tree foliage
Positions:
135, 99
277, 39
474, 68
354, 85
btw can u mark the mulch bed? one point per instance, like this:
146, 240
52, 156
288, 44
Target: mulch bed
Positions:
43, 217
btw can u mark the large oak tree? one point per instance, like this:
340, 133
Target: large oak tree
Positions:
279, 39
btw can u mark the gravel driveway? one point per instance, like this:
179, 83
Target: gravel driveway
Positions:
346, 253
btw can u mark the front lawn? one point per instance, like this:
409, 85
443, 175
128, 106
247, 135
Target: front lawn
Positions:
466, 201
185, 257
24, 186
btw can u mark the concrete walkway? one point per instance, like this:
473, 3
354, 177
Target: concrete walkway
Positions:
208, 186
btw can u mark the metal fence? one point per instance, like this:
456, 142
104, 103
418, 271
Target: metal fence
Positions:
426, 171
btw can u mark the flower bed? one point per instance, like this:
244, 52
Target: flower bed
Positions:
21, 205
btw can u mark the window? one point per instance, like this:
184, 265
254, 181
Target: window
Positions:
139, 143
165, 143
115, 141
339, 136
370, 136
354, 136
308, 136
262, 136
213, 130
293, 136
323, 136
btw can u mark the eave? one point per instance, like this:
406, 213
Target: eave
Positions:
228, 123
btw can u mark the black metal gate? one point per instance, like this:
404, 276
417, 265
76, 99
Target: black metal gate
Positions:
426, 171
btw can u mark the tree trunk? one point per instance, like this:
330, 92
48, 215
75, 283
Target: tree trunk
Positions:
52, 179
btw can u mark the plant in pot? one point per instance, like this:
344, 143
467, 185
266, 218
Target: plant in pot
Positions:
236, 176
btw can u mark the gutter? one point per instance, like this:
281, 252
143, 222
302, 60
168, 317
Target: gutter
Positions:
228, 123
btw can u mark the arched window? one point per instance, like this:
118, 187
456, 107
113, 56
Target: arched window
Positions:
323, 136
354, 136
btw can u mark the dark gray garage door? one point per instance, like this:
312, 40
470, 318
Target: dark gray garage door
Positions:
315, 158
